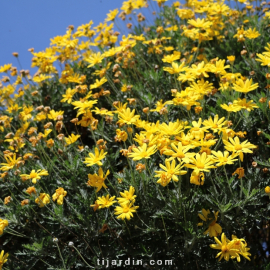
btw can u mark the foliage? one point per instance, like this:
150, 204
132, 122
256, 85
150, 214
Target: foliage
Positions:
143, 146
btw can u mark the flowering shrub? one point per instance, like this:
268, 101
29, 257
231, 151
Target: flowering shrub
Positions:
152, 144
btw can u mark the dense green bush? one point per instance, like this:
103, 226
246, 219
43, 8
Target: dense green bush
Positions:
151, 146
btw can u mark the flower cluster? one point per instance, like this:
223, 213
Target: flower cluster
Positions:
176, 112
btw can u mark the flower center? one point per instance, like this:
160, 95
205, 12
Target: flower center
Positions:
33, 175
181, 155
129, 196
126, 209
200, 165
213, 223
224, 249
184, 143
238, 147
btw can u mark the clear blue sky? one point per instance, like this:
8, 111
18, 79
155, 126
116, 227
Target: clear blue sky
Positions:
31, 23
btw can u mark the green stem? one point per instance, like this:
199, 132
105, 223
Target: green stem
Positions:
227, 180
128, 229
165, 230
82, 257
61, 256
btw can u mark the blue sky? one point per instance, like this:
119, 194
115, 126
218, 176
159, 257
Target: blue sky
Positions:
32, 23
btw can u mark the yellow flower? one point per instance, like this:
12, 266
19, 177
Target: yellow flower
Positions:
230, 107
95, 158
219, 67
144, 138
170, 172
200, 69
127, 196
179, 152
121, 135
102, 111
3, 259
104, 201
46, 133
95, 58
160, 105
201, 163
142, 152
3, 225
53, 114
26, 113
72, 139
264, 59
11, 162
98, 83
42, 199
171, 129
197, 178
69, 95
84, 106
5, 68
34, 175
188, 76
240, 35
197, 132
215, 124
245, 87
98, 180
170, 58
200, 23
236, 147
252, 34
13, 108
223, 158
59, 195
243, 104
87, 119
119, 107
41, 78
175, 69
267, 190
227, 248
111, 15
214, 229
127, 117
125, 210
204, 144
231, 58
241, 245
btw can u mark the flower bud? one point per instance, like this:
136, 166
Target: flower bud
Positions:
263, 99
243, 52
